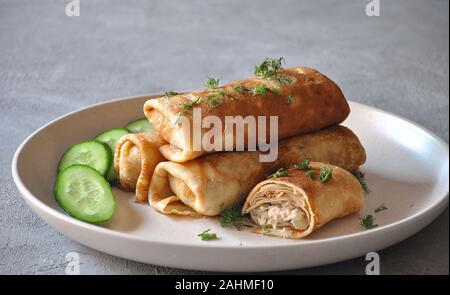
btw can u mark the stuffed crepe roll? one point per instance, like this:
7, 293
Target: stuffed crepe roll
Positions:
135, 158
306, 101
207, 185
295, 205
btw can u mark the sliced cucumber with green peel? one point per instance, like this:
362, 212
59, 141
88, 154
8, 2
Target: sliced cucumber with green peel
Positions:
84, 194
139, 126
91, 153
111, 137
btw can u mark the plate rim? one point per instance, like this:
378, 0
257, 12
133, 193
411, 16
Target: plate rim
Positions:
442, 202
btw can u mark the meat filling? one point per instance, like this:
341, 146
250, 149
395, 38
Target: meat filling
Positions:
283, 214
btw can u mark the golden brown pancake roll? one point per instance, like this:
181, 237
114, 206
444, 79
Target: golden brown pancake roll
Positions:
295, 205
209, 184
308, 101
135, 158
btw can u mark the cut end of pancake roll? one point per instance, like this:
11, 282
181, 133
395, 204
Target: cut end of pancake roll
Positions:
295, 205
135, 158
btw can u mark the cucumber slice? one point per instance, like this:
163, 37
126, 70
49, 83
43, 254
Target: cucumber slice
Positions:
84, 194
91, 153
139, 126
111, 137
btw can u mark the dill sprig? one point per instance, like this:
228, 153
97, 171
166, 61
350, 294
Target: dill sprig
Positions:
186, 107
206, 235
283, 80
380, 208
168, 94
261, 89
367, 222
325, 174
303, 165
280, 172
241, 88
232, 217
215, 98
362, 181
269, 69
212, 83
290, 100
275, 90
310, 173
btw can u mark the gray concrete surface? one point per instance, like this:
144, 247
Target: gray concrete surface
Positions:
51, 64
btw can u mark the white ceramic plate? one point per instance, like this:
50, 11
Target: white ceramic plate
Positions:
407, 170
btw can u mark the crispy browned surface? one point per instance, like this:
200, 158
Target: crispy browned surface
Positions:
318, 103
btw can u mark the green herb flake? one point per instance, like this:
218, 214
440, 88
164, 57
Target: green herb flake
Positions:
168, 94
241, 88
290, 100
212, 83
303, 165
269, 69
186, 107
214, 99
276, 91
206, 235
367, 222
285, 81
261, 89
325, 174
232, 217
280, 172
380, 208
362, 181
310, 173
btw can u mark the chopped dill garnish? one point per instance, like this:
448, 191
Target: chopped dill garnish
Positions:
380, 208
275, 90
232, 217
285, 81
310, 173
261, 89
325, 174
186, 107
269, 69
168, 94
367, 222
215, 98
362, 180
241, 88
212, 83
206, 235
280, 172
302, 165
290, 99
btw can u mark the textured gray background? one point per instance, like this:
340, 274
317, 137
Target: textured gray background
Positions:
51, 64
